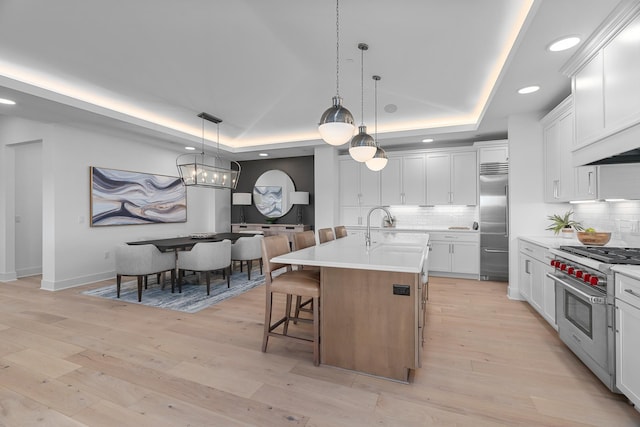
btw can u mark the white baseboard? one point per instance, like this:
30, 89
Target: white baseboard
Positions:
8, 277
30, 271
76, 281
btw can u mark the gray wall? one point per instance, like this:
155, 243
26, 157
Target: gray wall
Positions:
301, 171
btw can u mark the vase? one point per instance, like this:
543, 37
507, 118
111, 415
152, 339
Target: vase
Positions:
567, 233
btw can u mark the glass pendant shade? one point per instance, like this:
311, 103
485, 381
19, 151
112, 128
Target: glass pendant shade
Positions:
362, 146
336, 124
379, 160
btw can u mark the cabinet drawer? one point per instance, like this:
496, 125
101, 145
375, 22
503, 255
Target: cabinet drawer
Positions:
533, 250
454, 237
628, 289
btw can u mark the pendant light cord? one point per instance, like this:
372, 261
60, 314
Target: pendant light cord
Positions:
337, 48
203, 136
362, 49
376, 78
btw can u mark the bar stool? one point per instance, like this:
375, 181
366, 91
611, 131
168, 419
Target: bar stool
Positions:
325, 235
303, 283
340, 231
301, 240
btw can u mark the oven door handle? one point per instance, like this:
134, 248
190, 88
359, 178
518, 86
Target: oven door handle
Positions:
592, 299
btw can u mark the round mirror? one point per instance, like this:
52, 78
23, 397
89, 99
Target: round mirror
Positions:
272, 193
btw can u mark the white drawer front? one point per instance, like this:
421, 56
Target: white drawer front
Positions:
628, 289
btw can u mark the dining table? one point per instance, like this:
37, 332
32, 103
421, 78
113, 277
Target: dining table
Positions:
187, 242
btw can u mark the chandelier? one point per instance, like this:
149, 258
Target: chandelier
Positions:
204, 170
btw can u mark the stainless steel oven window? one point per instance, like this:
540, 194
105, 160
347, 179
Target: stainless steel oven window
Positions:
579, 313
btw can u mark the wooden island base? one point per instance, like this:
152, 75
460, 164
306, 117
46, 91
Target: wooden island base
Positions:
365, 327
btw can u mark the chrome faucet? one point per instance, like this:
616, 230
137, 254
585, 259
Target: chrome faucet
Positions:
367, 236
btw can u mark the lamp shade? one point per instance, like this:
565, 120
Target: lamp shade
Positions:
379, 160
243, 199
300, 197
336, 124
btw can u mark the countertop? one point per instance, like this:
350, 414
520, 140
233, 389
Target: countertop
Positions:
554, 242
414, 229
399, 252
632, 271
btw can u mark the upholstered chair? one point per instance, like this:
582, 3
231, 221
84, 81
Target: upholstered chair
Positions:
206, 257
325, 235
303, 239
248, 249
340, 231
141, 261
303, 283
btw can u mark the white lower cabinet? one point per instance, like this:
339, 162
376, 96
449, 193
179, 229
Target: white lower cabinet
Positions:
627, 333
454, 254
534, 285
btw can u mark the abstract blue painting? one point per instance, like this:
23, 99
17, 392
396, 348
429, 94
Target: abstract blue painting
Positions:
124, 198
268, 200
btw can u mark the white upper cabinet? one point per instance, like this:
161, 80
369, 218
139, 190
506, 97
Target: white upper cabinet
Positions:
452, 178
563, 182
588, 96
403, 180
606, 88
494, 152
359, 191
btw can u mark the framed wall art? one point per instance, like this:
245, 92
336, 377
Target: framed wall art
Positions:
125, 198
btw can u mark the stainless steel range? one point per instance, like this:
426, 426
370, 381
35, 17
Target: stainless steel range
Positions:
585, 303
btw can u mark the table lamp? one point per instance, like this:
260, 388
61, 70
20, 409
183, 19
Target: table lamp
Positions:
300, 198
242, 200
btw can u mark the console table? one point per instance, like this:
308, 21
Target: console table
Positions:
272, 229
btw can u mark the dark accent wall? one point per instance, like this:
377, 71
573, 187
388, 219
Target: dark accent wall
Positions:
301, 171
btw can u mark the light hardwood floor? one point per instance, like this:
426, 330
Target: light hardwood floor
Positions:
67, 359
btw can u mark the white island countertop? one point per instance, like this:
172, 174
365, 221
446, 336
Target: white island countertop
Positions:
398, 252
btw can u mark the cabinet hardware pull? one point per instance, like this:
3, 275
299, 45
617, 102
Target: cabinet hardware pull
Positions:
632, 292
592, 299
589, 178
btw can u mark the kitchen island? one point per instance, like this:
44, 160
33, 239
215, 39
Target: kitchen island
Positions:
372, 301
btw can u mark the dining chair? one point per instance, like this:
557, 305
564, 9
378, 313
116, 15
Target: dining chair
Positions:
340, 231
325, 235
303, 239
303, 283
141, 261
248, 249
206, 257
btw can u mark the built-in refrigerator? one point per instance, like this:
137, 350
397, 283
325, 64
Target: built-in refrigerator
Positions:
494, 221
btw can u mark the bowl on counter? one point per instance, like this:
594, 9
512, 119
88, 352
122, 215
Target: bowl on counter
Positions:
595, 238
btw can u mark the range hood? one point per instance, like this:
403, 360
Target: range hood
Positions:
631, 156
619, 148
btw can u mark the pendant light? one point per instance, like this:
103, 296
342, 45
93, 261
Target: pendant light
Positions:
336, 124
379, 160
362, 146
204, 170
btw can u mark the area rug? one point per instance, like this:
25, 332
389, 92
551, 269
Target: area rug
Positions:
193, 297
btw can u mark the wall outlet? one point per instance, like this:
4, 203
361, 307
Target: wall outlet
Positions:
402, 290
106, 255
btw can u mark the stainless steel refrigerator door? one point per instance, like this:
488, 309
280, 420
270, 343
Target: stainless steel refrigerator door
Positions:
493, 204
494, 257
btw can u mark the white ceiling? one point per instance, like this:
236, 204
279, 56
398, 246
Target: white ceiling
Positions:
268, 68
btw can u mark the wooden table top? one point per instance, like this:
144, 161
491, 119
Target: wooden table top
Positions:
173, 243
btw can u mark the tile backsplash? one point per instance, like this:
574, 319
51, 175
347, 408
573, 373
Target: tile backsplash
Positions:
622, 219
434, 216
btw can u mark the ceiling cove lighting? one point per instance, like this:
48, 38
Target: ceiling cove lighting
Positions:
336, 124
203, 170
362, 147
528, 89
564, 44
379, 160
7, 101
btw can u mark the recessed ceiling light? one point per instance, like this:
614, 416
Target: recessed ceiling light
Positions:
7, 101
190, 148
427, 140
263, 155
528, 89
564, 44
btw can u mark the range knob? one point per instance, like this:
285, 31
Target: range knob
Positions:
563, 267
553, 262
570, 270
579, 274
586, 277
593, 281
